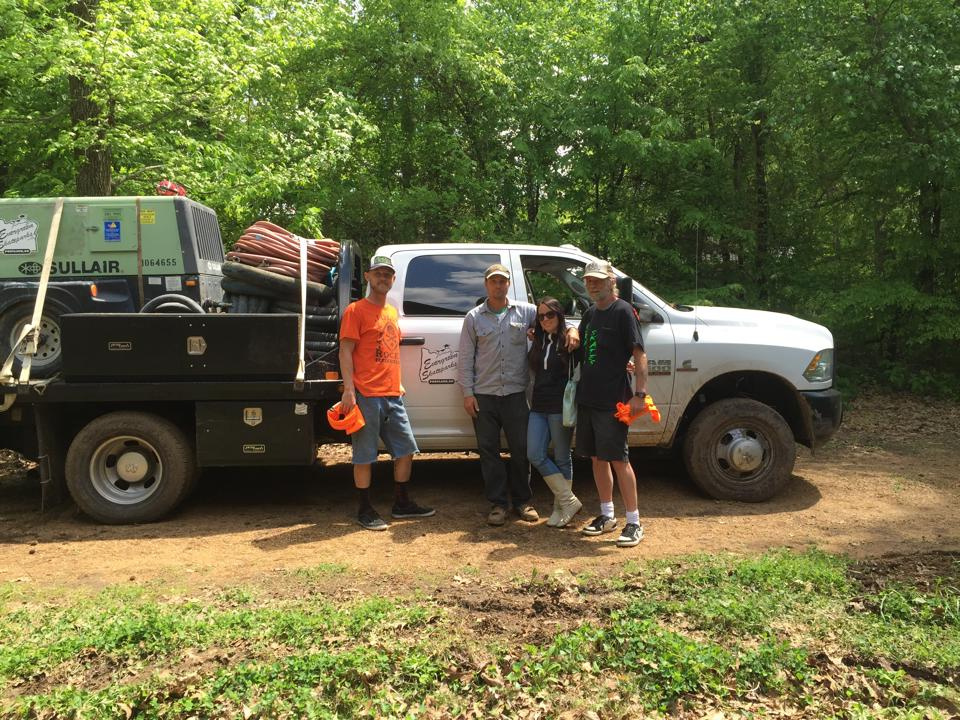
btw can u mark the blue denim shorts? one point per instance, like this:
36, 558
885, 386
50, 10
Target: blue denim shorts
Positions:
385, 418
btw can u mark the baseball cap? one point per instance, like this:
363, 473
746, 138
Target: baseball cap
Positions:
379, 261
598, 269
496, 269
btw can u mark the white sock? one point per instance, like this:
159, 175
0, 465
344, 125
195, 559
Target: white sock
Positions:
633, 516
606, 508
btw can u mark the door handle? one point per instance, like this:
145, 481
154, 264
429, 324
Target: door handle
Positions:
413, 341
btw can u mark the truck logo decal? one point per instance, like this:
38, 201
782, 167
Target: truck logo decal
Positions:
687, 366
19, 236
659, 367
119, 345
252, 449
30, 268
438, 367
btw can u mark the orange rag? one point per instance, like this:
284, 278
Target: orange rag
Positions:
624, 416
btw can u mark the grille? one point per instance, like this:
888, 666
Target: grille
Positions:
209, 244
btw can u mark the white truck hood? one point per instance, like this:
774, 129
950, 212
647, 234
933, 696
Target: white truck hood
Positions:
762, 327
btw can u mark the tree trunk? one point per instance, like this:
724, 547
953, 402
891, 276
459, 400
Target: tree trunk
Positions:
931, 209
881, 252
95, 162
762, 218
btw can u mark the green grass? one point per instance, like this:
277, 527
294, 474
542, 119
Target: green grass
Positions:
773, 631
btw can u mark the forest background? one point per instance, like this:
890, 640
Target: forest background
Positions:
793, 155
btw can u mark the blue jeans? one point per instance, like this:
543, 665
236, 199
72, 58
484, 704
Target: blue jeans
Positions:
541, 429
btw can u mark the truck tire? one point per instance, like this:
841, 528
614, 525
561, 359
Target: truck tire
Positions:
130, 467
49, 358
740, 449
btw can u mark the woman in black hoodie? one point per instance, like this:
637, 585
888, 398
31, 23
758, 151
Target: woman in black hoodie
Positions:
552, 365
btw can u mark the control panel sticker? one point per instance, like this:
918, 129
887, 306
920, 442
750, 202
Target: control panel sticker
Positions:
111, 230
172, 283
438, 367
18, 236
148, 217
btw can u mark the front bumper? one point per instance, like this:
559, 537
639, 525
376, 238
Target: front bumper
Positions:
826, 412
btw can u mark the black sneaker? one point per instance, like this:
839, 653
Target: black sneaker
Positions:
599, 525
371, 520
632, 535
410, 509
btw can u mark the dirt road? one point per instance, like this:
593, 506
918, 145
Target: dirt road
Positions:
887, 483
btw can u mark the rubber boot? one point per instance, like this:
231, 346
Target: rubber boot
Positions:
569, 504
556, 484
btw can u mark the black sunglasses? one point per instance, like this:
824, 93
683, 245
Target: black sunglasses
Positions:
549, 315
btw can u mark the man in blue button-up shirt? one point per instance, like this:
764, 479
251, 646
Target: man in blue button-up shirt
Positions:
493, 373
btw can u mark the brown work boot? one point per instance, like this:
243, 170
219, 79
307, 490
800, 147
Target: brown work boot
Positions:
497, 516
528, 513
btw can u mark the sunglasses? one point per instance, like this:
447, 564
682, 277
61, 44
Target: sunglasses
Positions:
549, 315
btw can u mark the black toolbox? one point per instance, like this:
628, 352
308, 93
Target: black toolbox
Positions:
108, 346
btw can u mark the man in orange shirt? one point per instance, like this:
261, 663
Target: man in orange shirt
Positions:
370, 366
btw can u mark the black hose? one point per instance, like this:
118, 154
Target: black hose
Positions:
171, 301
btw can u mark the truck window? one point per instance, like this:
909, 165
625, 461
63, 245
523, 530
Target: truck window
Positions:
445, 284
557, 277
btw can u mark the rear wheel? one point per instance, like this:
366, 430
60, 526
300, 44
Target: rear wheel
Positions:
740, 449
49, 357
128, 467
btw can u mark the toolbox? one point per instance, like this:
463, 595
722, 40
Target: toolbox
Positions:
102, 347
255, 433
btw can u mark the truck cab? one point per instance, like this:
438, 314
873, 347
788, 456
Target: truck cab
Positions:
736, 388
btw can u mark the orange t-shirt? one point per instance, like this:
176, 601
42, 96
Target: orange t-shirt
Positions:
376, 357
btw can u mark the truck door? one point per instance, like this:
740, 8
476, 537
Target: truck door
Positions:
434, 291
560, 274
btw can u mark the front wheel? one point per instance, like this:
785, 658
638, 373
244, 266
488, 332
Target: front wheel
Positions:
128, 467
740, 449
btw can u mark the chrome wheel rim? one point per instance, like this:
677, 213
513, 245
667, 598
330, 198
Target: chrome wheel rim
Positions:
742, 454
125, 470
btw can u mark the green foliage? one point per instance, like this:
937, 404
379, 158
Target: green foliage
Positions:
796, 156
679, 634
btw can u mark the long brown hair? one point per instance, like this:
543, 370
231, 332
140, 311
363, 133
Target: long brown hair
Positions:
535, 356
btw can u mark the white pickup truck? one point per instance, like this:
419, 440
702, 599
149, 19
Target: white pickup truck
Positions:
147, 400
736, 389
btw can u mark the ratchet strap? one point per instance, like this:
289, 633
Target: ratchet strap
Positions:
302, 321
30, 334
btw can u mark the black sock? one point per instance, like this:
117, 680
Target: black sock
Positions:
400, 496
364, 496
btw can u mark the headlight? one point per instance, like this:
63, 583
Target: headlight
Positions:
820, 368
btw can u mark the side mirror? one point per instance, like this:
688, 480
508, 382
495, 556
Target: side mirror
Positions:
646, 313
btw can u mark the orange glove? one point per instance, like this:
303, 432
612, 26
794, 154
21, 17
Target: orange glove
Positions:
624, 416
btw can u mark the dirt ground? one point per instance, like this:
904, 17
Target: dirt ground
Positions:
888, 483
